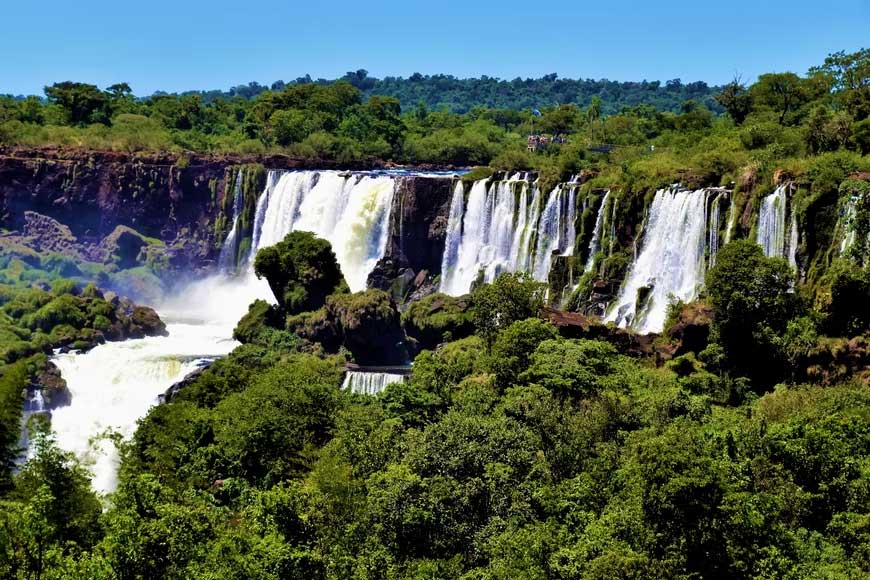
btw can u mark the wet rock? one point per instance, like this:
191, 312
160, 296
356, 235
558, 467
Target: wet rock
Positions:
144, 321
53, 386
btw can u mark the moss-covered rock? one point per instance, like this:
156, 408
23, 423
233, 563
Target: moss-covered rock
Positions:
437, 318
370, 326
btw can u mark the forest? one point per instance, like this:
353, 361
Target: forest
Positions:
517, 448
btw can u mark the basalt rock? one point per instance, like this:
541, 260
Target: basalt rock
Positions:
45, 234
575, 325
370, 327
418, 228
54, 389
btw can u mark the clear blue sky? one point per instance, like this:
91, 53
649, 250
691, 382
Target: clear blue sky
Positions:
184, 44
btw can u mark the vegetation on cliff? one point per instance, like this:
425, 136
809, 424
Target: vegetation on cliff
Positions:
511, 452
735, 445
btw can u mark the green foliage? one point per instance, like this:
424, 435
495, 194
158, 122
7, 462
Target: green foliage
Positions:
511, 297
437, 318
753, 301
301, 270
513, 349
13, 379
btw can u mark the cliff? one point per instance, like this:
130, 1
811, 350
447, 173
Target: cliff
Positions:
418, 227
94, 205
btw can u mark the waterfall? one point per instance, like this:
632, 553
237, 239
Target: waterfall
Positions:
595, 243
772, 234
732, 220
351, 211
500, 229
115, 384
369, 383
713, 230
34, 404
260, 214
771, 223
671, 263
228, 256
793, 241
614, 205
454, 235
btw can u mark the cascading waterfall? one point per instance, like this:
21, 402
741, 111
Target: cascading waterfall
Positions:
713, 230
369, 383
772, 234
351, 211
113, 385
671, 263
500, 229
732, 221
595, 243
771, 223
34, 404
227, 259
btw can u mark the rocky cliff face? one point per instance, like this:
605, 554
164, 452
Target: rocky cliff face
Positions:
418, 227
79, 203
92, 193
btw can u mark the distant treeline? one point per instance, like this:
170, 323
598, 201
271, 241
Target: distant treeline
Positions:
446, 92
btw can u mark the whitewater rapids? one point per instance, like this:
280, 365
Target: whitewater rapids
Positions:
115, 384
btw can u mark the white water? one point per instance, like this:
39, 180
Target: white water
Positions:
114, 385
595, 243
351, 211
732, 220
771, 223
227, 259
671, 261
34, 404
713, 230
366, 383
502, 228
772, 234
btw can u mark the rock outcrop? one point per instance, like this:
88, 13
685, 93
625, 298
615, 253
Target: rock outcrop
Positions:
576, 325
418, 227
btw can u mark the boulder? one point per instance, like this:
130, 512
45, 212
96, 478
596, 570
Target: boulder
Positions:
45, 234
370, 327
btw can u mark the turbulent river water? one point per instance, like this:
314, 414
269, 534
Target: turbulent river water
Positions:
114, 385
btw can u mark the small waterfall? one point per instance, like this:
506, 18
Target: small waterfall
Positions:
771, 223
613, 206
847, 226
772, 234
713, 231
228, 256
369, 383
34, 404
454, 235
595, 243
556, 230
500, 229
351, 211
671, 263
732, 221
793, 241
